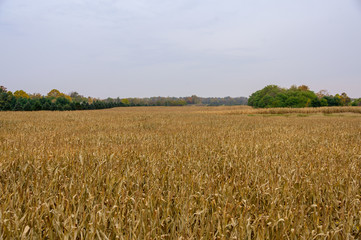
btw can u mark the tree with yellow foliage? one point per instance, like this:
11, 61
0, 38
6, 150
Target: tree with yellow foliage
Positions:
303, 88
53, 94
21, 94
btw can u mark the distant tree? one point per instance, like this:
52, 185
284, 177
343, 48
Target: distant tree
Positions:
3, 89
21, 94
338, 99
18, 106
3, 99
84, 106
292, 101
269, 96
125, 102
356, 102
303, 88
293, 88
195, 99
55, 93
46, 106
67, 107
53, 107
331, 101
322, 93
36, 96
27, 107
273, 96
76, 106
345, 100
76, 97
316, 102
6, 107
36, 105
323, 102
62, 101
91, 106
91, 100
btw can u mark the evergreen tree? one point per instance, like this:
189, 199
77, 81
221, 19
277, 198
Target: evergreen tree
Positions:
46, 106
53, 107
18, 106
67, 107
27, 107
6, 107
59, 107
37, 106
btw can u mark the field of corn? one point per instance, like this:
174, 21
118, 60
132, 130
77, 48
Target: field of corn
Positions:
181, 173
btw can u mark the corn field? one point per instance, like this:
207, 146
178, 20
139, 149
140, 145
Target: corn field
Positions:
181, 173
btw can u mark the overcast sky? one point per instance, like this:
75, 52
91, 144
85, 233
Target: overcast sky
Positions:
142, 48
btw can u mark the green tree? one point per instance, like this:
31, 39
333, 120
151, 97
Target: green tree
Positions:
345, 100
36, 105
67, 107
316, 102
3, 89
53, 107
59, 108
266, 97
273, 96
18, 106
3, 98
62, 101
27, 106
125, 102
6, 107
46, 106
323, 102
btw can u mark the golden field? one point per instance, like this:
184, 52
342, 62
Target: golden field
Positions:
180, 173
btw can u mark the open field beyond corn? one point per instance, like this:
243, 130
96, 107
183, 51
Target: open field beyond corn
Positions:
180, 172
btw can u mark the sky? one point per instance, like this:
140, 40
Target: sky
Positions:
144, 48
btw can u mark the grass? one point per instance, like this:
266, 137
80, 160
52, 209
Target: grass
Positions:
179, 173
280, 111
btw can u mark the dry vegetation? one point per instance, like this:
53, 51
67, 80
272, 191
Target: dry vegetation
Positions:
310, 110
172, 173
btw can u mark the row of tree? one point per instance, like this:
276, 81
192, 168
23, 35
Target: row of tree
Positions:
58, 101
54, 101
181, 101
297, 97
269, 97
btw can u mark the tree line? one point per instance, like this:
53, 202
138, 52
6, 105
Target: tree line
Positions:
58, 101
181, 101
273, 96
270, 96
53, 101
